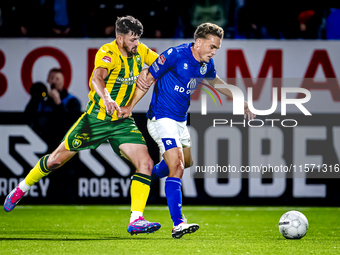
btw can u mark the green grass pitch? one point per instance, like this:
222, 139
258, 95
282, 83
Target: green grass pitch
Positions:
223, 230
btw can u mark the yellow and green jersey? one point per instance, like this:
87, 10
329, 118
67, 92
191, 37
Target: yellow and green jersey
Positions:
121, 79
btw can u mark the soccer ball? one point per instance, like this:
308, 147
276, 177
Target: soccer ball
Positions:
293, 225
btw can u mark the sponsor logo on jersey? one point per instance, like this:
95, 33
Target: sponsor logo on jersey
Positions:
168, 142
83, 136
192, 85
76, 143
169, 51
203, 69
106, 59
155, 66
127, 81
161, 60
182, 90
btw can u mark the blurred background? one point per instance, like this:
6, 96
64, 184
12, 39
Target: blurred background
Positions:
240, 19
267, 44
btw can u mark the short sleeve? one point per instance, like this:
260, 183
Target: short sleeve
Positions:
165, 62
149, 55
104, 58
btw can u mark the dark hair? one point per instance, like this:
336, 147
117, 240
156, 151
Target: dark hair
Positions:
128, 23
55, 70
206, 29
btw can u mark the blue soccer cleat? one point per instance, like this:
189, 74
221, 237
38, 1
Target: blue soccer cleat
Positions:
13, 199
141, 225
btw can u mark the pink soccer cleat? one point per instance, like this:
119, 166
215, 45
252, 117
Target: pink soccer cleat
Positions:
13, 199
141, 225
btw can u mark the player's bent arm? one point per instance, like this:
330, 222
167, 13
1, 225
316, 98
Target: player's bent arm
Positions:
137, 96
145, 80
98, 83
224, 91
228, 93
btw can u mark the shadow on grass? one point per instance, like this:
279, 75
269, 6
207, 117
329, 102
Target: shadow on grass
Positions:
69, 236
76, 239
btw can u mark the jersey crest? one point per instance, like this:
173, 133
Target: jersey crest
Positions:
203, 69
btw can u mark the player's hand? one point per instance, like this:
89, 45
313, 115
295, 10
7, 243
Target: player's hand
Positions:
55, 95
125, 112
111, 106
142, 82
247, 112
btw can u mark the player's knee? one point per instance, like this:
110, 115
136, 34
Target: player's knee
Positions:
180, 171
54, 163
149, 164
177, 169
181, 166
145, 166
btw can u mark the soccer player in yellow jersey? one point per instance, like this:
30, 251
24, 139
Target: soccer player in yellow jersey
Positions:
113, 82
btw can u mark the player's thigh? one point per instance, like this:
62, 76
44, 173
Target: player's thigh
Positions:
166, 133
128, 134
88, 133
130, 144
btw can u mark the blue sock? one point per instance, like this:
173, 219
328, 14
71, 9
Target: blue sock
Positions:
161, 169
173, 194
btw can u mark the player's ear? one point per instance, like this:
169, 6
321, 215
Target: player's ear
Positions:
198, 43
119, 39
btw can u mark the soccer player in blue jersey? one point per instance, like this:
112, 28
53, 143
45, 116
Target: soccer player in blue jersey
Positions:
175, 70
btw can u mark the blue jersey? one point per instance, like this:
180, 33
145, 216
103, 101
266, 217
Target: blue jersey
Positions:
177, 72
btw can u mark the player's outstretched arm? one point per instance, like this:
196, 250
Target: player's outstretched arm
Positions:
224, 91
144, 81
98, 84
228, 93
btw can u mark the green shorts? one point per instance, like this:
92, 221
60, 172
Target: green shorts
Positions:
89, 132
